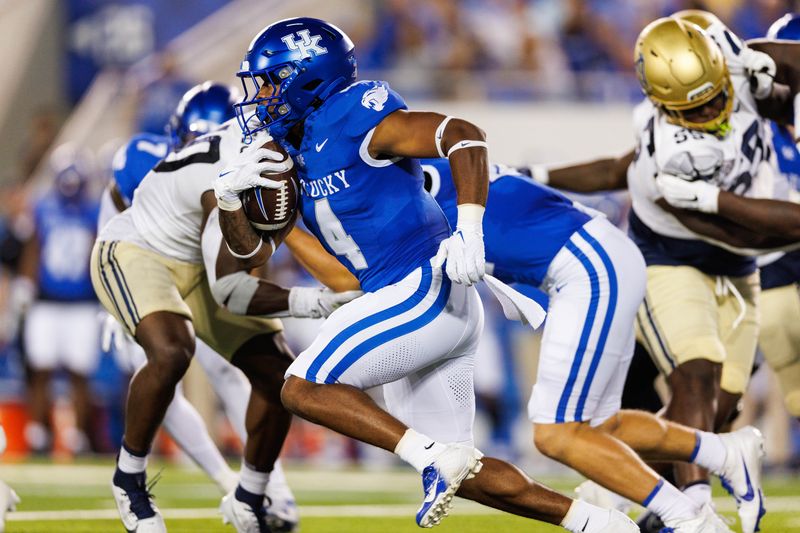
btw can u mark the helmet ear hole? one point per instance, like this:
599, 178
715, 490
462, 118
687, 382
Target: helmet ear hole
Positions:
313, 84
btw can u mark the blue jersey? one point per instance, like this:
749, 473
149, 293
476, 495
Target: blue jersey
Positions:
66, 233
525, 223
133, 162
373, 215
787, 154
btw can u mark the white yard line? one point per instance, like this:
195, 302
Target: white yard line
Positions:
778, 504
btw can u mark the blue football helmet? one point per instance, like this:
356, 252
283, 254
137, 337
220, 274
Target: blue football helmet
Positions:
301, 61
72, 169
786, 28
201, 109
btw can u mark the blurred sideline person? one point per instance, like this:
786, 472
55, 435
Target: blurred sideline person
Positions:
699, 318
8, 498
202, 108
61, 329
595, 278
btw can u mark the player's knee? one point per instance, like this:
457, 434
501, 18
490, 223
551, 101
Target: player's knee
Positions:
293, 393
698, 379
170, 360
553, 439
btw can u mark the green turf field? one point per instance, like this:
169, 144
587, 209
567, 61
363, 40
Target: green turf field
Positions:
75, 498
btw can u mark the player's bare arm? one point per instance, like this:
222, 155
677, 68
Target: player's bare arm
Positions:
307, 250
419, 134
772, 218
607, 174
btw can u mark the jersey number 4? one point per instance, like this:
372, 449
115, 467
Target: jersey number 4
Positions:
335, 236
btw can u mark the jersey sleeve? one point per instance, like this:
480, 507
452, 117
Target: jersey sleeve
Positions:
133, 161
369, 103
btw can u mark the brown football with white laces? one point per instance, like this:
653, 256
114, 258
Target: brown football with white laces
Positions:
273, 211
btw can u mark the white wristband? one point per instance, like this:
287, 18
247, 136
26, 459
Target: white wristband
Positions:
232, 204
797, 115
466, 144
437, 138
540, 174
246, 256
470, 216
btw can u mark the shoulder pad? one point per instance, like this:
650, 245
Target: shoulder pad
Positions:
363, 105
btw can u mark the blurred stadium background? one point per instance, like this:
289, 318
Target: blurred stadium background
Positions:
549, 80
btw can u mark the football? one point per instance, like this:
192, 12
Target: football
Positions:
273, 211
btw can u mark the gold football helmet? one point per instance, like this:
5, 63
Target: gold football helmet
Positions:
683, 72
704, 19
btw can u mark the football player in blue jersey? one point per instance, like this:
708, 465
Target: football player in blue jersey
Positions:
61, 327
590, 269
416, 328
202, 109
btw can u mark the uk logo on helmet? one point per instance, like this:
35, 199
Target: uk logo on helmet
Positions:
308, 43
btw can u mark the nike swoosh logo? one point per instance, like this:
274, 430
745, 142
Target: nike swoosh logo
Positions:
320, 146
585, 524
558, 289
750, 494
429, 446
226, 173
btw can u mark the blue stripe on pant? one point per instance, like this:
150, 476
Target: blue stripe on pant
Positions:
387, 314
587, 330
612, 306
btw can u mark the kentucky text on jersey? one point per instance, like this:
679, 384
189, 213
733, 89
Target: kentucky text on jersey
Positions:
373, 214
525, 223
325, 186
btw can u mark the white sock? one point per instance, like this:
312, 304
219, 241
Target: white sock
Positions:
417, 450
130, 463
186, 426
699, 492
229, 383
709, 452
252, 480
584, 517
669, 503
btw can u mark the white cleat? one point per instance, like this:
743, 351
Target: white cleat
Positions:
242, 516
282, 514
8, 502
619, 523
741, 474
591, 492
707, 521
135, 504
442, 478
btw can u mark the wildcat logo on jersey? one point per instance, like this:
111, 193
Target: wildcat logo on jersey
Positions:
375, 98
308, 43
325, 186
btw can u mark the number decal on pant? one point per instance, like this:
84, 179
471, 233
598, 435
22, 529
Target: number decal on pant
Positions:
335, 236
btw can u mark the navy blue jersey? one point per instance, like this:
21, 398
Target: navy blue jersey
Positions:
66, 233
373, 215
525, 223
133, 161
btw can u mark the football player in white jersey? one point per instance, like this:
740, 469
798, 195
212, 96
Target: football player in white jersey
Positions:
201, 109
701, 120
162, 272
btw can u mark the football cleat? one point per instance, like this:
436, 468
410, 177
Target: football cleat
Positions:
707, 521
741, 474
618, 523
135, 503
282, 515
8, 502
591, 492
243, 516
442, 478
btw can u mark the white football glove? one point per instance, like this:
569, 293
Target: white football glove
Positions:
314, 302
113, 334
696, 195
760, 69
463, 250
245, 173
